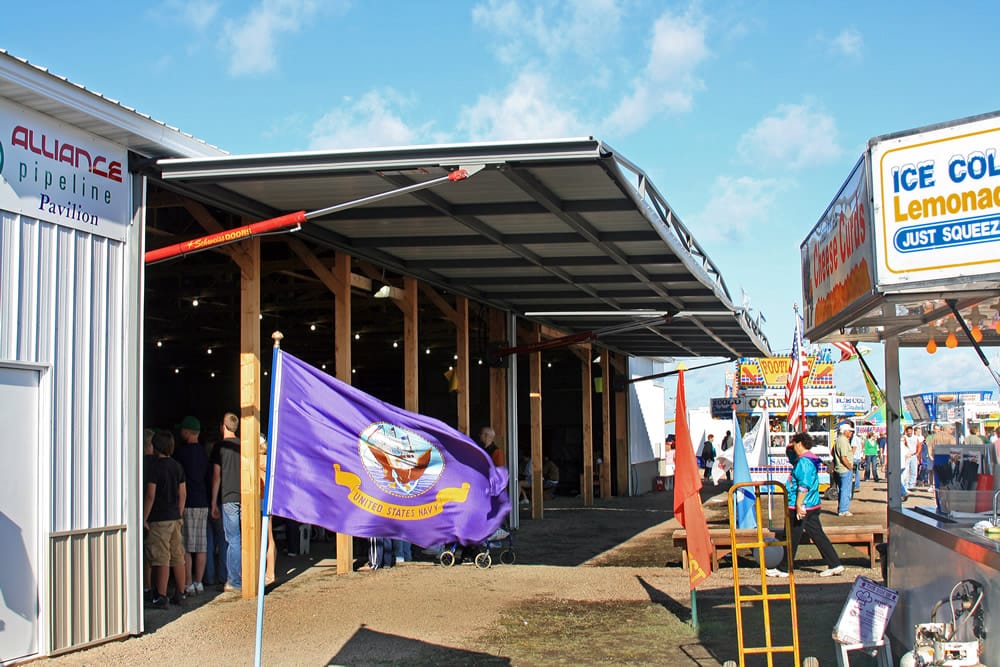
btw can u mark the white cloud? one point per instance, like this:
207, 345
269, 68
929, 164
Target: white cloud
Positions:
737, 204
527, 109
582, 27
795, 136
375, 119
198, 15
252, 40
849, 42
668, 81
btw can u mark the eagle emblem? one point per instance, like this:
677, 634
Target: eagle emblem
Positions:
399, 461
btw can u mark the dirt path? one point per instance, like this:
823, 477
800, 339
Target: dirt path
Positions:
593, 585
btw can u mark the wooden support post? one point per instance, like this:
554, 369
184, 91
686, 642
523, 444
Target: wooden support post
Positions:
462, 365
498, 393
250, 274
535, 394
342, 363
621, 440
411, 344
587, 395
606, 424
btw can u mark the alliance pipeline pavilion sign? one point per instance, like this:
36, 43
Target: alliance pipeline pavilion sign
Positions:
55, 172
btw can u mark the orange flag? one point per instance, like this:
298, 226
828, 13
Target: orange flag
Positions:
687, 501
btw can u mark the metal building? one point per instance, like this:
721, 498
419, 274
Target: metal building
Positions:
71, 240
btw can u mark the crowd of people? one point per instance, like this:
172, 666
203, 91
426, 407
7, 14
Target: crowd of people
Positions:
191, 511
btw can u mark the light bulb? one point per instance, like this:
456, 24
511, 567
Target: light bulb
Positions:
931, 346
977, 334
395, 345
996, 326
951, 341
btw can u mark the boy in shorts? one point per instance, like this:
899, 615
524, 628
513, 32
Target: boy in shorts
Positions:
163, 507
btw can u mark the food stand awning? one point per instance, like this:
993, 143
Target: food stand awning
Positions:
566, 232
908, 254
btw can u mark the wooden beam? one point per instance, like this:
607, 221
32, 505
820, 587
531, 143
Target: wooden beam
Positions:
342, 364
208, 222
411, 346
250, 414
535, 400
451, 314
621, 441
606, 424
587, 392
361, 282
333, 281
462, 367
498, 392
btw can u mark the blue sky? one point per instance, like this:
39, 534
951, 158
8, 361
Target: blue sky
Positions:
746, 116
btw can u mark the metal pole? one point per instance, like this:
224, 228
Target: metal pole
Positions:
293, 220
268, 486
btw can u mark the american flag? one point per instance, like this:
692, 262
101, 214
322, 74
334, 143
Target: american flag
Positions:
847, 350
796, 377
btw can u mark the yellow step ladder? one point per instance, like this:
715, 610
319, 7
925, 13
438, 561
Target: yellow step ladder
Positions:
766, 596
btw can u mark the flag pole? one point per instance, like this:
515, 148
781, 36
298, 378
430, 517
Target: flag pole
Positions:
266, 509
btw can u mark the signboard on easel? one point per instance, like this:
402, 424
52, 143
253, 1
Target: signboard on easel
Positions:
866, 613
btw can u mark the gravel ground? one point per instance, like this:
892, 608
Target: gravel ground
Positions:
424, 613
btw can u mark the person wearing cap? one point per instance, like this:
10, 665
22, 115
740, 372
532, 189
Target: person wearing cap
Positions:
194, 460
843, 465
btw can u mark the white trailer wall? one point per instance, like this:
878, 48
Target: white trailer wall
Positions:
645, 424
69, 304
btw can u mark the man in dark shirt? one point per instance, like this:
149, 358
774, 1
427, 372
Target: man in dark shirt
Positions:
226, 478
163, 507
193, 458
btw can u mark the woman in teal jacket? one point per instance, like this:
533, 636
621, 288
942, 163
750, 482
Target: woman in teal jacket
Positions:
804, 506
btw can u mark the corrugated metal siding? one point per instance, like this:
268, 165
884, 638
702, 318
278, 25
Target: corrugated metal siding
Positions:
63, 301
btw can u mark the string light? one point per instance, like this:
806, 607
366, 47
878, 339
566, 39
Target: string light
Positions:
312, 327
357, 336
194, 302
428, 350
931, 346
395, 344
159, 343
977, 334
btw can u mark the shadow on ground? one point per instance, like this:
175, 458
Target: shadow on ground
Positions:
369, 647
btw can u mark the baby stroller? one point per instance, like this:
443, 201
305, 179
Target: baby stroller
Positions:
500, 541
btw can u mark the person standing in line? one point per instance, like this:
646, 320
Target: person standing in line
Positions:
193, 459
148, 457
708, 456
215, 564
487, 440
269, 559
727, 442
871, 453
804, 507
843, 464
973, 438
163, 507
857, 451
910, 450
226, 481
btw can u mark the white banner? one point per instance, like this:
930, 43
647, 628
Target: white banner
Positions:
58, 173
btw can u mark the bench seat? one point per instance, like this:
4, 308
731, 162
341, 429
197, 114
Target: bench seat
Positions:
863, 537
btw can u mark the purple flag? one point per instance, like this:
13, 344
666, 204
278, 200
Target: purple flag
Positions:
349, 462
